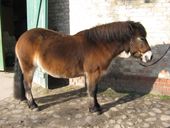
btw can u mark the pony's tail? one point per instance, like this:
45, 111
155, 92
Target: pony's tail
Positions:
19, 91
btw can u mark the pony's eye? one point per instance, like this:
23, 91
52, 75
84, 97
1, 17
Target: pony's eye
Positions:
142, 38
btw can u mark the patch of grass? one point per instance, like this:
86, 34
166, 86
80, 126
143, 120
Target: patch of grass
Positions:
161, 97
165, 97
111, 93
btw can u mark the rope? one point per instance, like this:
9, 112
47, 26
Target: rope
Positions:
147, 65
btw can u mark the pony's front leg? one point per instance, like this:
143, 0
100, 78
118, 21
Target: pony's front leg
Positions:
91, 81
30, 100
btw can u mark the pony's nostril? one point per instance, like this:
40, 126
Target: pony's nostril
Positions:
151, 57
146, 58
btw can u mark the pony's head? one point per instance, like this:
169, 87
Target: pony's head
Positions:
138, 46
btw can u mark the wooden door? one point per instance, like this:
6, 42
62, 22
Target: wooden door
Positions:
37, 17
2, 67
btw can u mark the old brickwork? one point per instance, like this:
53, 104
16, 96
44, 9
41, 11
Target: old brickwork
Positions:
153, 14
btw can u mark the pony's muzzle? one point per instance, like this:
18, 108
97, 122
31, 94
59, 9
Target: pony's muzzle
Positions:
147, 56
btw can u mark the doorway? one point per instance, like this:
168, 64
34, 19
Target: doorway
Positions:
14, 23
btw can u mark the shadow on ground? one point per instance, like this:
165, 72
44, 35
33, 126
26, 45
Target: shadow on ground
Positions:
45, 102
51, 100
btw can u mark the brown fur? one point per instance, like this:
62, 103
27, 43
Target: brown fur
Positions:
87, 53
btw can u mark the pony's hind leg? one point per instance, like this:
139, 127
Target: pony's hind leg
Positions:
91, 81
28, 77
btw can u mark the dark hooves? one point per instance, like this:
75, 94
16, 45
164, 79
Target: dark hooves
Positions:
36, 109
23, 99
33, 107
97, 110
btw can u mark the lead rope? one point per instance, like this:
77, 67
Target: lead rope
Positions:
147, 65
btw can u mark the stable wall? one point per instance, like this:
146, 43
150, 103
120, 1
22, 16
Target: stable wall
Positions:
127, 74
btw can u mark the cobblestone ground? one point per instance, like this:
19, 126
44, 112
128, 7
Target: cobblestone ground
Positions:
67, 108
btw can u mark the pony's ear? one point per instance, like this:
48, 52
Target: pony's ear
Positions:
131, 27
137, 27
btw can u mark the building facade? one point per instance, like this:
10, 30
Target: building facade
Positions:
72, 16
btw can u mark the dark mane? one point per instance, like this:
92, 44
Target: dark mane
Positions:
116, 31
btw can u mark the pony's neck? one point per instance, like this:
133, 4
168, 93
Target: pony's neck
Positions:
118, 48
126, 46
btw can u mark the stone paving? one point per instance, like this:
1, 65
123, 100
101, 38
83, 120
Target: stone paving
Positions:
66, 107
6, 80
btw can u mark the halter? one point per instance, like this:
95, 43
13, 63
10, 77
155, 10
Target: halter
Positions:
150, 64
131, 46
147, 65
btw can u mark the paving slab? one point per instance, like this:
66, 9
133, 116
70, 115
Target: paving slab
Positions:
6, 84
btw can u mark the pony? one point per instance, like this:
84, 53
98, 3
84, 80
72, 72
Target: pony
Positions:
87, 53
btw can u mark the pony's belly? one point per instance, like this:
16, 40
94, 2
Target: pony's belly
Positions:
64, 73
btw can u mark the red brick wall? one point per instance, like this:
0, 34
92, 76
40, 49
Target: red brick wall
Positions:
143, 84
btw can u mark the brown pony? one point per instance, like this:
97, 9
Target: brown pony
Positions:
87, 53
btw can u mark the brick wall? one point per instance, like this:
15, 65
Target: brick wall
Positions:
153, 14
58, 15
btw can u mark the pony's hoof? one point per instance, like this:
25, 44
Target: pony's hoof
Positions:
33, 107
36, 109
97, 110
